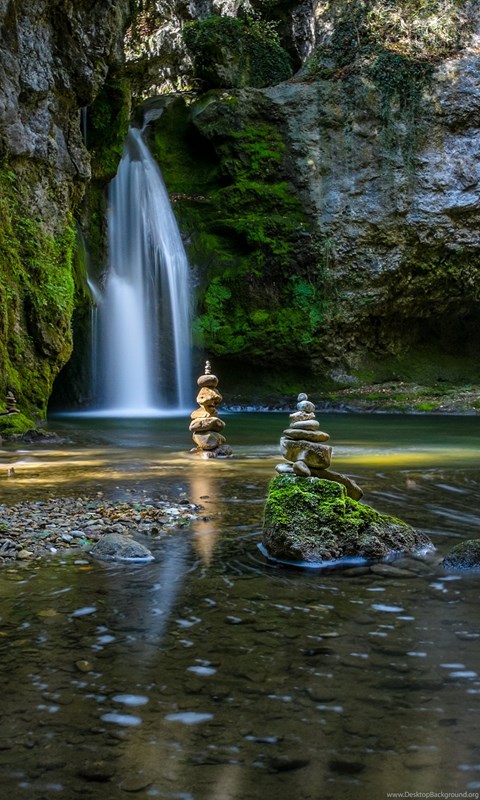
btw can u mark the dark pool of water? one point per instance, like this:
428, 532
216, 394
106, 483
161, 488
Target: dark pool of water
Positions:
214, 674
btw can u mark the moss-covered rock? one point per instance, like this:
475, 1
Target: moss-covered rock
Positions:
313, 520
234, 53
463, 556
15, 425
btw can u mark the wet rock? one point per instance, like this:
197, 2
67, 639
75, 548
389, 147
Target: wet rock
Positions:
464, 556
312, 453
286, 763
302, 445
346, 765
313, 520
116, 547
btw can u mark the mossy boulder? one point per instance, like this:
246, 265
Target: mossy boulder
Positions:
310, 519
14, 425
463, 556
234, 53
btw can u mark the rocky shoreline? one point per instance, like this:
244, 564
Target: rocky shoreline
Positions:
35, 529
393, 397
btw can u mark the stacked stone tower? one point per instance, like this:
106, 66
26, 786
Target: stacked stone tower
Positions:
206, 426
305, 452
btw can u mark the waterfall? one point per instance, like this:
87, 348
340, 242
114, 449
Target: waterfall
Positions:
144, 315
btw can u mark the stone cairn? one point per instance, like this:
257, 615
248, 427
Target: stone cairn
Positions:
11, 405
303, 447
206, 426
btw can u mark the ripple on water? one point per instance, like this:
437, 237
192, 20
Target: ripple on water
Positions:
130, 699
188, 717
128, 720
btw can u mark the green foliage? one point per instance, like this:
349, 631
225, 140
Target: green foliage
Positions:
108, 119
36, 297
233, 53
395, 45
15, 425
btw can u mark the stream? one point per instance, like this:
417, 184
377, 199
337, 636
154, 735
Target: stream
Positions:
212, 673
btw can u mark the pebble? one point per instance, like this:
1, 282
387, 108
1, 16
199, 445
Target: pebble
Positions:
33, 528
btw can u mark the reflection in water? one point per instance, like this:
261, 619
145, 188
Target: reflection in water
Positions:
212, 674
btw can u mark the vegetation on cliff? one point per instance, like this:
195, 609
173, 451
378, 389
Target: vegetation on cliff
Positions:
262, 287
234, 53
36, 299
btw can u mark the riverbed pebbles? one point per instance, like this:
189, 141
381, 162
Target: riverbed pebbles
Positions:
37, 528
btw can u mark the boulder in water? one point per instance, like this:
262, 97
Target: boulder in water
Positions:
314, 520
116, 547
464, 556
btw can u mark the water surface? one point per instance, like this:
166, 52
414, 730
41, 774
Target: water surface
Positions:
213, 674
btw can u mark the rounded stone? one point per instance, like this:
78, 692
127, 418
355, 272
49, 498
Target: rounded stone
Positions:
208, 397
307, 406
302, 396
116, 547
283, 469
207, 424
207, 380
208, 441
301, 469
465, 555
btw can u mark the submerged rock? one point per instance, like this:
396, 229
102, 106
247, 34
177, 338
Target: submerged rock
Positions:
310, 519
116, 547
465, 555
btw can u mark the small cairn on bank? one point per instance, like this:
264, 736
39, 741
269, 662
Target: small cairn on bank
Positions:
304, 449
11, 405
206, 426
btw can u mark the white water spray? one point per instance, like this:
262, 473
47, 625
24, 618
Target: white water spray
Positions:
144, 317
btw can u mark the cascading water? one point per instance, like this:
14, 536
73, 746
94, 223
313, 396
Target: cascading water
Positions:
144, 363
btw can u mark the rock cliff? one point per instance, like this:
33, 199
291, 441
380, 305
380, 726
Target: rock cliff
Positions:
332, 219
376, 139
55, 56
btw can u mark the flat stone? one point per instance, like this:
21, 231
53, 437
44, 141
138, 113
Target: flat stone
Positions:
353, 489
308, 435
311, 424
200, 413
207, 424
208, 380
313, 454
297, 416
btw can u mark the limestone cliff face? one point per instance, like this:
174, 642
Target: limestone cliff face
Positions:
380, 132
400, 219
54, 57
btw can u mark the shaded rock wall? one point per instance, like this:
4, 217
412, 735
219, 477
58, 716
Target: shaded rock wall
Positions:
55, 56
379, 133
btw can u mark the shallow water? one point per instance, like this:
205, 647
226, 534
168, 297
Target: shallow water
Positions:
214, 674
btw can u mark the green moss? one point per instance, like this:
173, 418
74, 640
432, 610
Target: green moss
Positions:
310, 519
36, 297
15, 425
233, 53
108, 119
263, 284
465, 555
